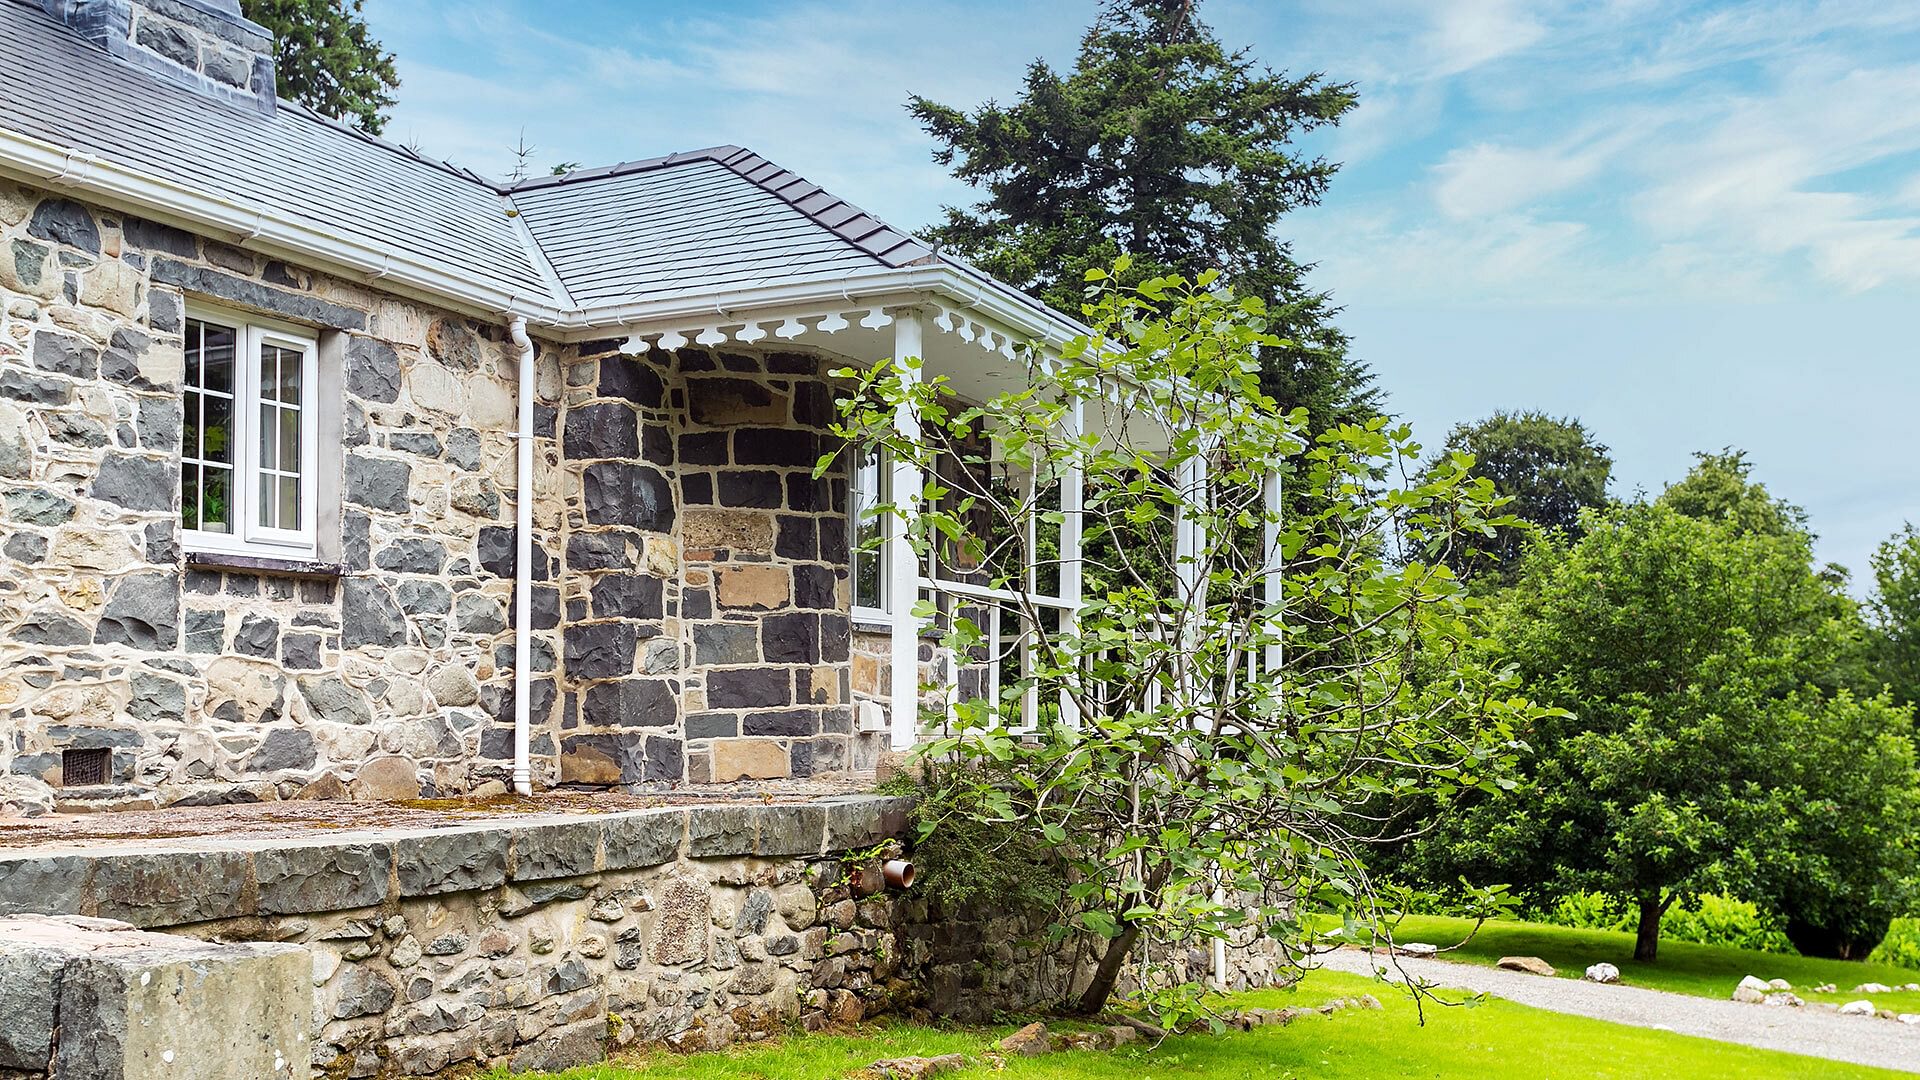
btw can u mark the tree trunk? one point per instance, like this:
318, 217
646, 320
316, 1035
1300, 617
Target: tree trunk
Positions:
1107, 974
1646, 943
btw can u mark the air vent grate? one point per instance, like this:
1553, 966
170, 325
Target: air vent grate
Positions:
79, 768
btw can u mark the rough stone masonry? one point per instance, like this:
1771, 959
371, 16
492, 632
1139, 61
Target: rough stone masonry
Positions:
538, 943
690, 591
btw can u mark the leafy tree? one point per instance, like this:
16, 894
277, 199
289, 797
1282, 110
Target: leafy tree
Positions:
327, 58
1720, 487
1551, 469
1689, 656
1895, 610
1164, 145
1187, 800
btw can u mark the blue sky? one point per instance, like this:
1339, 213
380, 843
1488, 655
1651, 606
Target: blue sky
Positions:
1691, 225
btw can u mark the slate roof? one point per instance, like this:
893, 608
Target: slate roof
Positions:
697, 223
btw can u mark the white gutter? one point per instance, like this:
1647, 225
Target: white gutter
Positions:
523, 566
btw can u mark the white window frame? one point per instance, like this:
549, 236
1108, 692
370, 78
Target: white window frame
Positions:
251, 334
861, 502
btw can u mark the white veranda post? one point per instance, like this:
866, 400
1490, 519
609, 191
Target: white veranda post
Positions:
1275, 575
1072, 503
902, 569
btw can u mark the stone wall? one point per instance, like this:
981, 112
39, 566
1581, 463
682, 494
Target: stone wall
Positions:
544, 942
690, 575
384, 673
706, 574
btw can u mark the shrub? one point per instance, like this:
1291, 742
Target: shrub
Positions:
1707, 920
1901, 946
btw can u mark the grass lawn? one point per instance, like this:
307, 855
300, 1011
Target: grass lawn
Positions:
1493, 1041
1703, 970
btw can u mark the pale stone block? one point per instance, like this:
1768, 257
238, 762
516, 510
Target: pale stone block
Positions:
112, 285
749, 759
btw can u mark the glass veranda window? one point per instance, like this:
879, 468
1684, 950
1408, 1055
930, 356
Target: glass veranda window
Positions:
247, 448
870, 527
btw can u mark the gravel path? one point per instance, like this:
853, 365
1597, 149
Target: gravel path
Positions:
1858, 1039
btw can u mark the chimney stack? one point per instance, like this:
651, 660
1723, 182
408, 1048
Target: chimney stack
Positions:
207, 45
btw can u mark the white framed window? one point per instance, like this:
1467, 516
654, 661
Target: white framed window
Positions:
870, 535
248, 441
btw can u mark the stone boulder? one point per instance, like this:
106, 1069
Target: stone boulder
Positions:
1858, 1008
1417, 949
1532, 965
917, 1068
1030, 1041
1602, 973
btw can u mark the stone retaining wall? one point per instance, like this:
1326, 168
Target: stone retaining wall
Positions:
544, 942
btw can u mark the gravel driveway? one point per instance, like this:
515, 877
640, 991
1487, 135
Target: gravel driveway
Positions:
1858, 1039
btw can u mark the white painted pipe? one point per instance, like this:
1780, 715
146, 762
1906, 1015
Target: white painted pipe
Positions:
523, 567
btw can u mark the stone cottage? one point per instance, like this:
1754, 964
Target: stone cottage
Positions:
328, 468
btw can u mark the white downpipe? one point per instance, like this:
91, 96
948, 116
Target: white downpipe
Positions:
523, 567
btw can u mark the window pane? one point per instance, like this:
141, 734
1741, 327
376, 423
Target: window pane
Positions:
288, 381
216, 500
216, 430
289, 502
216, 358
268, 506
189, 496
289, 456
190, 426
268, 443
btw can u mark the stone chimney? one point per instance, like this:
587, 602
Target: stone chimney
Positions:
203, 44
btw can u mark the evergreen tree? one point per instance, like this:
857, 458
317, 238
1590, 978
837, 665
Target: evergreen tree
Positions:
1163, 145
326, 58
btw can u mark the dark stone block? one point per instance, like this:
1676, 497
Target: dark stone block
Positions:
137, 483
300, 652
722, 644
35, 389
158, 423
544, 852
153, 236
644, 838
795, 830
413, 555
598, 551
709, 725
808, 495
656, 444
836, 638
718, 402
748, 688
476, 613
369, 615
322, 877
813, 587
666, 759
599, 650
64, 354
631, 379
741, 362
724, 830
62, 221
602, 759
704, 448
424, 597
630, 703
792, 638
788, 722
206, 631
776, 446
372, 370
813, 405
143, 610
378, 483
628, 596
257, 636
794, 539
121, 361
629, 494
696, 604
283, 748
834, 542
605, 430
355, 540
451, 861
25, 548
170, 888
247, 293
418, 443
785, 363
696, 489
750, 488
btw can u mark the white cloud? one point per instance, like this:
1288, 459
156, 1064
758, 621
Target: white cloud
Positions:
1482, 180
1465, 34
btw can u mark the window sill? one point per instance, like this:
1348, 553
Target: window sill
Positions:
265, 566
